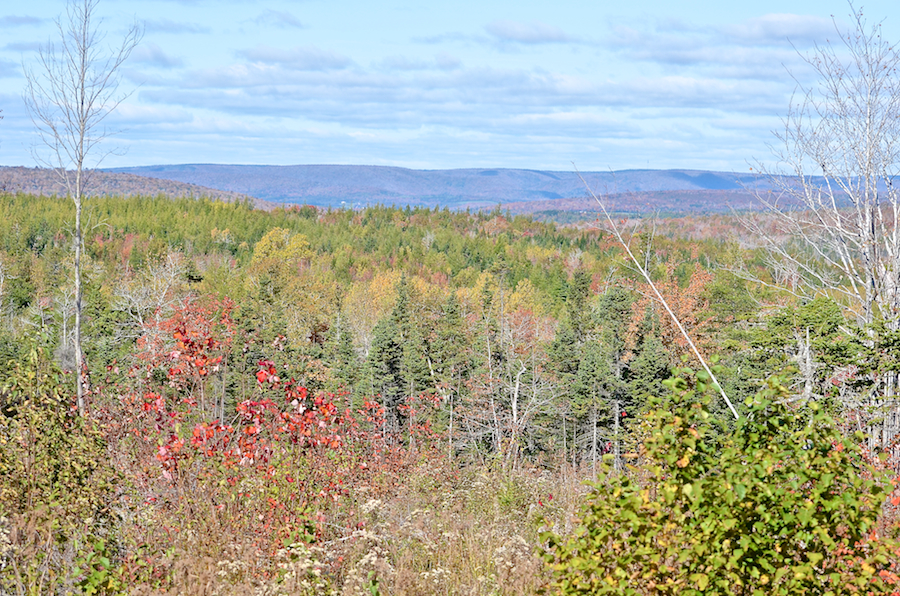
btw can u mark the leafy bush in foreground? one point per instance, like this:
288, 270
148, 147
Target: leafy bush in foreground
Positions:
57, 489
783, 505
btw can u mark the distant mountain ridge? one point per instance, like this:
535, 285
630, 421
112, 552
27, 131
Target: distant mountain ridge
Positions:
44, 181
358, 186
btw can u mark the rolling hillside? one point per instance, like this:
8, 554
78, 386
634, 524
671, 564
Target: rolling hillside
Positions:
40, 181
522, 190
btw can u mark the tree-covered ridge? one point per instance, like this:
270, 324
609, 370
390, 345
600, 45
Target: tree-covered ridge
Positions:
44, 181
357, 186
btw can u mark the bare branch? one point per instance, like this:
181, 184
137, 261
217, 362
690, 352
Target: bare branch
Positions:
659, 295
69, 94
840, 144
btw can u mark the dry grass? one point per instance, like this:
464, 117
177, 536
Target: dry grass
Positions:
444, 531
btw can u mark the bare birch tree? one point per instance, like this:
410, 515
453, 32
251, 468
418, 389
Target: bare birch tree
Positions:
150, 296
70, 92
835, 199
838, 154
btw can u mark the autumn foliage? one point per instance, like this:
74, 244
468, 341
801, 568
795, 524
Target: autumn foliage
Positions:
376, 402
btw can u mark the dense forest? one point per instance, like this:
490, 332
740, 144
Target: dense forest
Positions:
408, 401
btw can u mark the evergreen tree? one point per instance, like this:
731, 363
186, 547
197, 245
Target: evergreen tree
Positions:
447, 352
397, 359
340, 356
565, 354
413, 363
613, 316
577, 304
384, 366
651, 365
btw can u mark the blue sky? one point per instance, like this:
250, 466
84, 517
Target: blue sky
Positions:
442, 84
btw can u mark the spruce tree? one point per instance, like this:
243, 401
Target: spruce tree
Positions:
384, 366
397, 358
447, 352
579, 288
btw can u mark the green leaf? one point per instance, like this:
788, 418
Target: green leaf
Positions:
701, 579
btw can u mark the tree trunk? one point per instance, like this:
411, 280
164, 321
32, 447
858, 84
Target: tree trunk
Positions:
81, 378
594, 442
616, 462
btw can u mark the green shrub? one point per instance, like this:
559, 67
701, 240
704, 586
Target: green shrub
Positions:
56, 488
783, 505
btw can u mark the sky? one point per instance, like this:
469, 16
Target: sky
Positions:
440, 84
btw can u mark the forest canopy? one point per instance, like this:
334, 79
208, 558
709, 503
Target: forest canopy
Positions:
293, 378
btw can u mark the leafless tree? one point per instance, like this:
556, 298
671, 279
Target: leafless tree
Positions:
70, 92
151, 295
835, 198
5, 274
840, 147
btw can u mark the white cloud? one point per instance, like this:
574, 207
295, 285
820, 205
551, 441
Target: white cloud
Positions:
442, 61
447, 61
529, 33
170, 26
277, 18
778, 28
10, 21
466, 99
151, 54
32, 46
133, 115
9, 69
402, 63
572, 124
443, 38
756, 49
298, 58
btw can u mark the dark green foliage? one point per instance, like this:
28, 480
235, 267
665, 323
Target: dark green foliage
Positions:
397, 359
650, 366
595, 384
783, 505
613, 316
384, 363
447, 350
565, 353
819, 320
648, 371
341, 357
816, 332
729, 298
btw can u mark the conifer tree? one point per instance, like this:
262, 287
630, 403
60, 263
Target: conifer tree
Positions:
650, 367
565, 354
397, 359
340, 355
579, 289
593, 389
384, 366
447, 352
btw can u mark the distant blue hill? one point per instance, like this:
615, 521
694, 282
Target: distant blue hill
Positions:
358, 186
